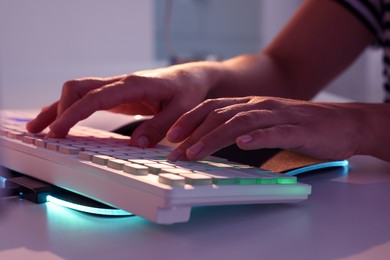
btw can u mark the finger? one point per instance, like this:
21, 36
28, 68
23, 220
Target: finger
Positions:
50, 113
73, 90
205, 142
152, 131
43, 119
105, 98
211, 109
82, 107
280, 136
213, 120
226, 134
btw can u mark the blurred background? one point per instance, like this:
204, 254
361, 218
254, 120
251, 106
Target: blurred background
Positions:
46, 42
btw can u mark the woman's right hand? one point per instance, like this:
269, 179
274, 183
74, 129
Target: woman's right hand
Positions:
166, 93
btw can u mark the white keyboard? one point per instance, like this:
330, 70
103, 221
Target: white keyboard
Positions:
101, 165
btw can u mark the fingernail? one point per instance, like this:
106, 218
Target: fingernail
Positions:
50, 134
142, 141
176, 155
174, 134
245, 139
195, 149
52, 126
29, 125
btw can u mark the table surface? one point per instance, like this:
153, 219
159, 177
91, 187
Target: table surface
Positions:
346, 217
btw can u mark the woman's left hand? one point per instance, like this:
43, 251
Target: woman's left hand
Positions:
322, 130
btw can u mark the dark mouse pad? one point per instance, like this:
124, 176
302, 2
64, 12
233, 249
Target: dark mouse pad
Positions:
293, 163
277, 160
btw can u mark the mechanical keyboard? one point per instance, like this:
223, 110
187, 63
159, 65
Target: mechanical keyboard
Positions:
102, 166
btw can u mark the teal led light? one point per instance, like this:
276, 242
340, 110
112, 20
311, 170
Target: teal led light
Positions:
342, 163
87, 209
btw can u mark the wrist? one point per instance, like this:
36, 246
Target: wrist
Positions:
206, 75
375, 124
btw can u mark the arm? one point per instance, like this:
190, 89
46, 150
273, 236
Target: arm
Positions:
296, 65
320, 42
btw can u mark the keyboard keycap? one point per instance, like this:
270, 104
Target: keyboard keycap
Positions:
117, 163
171, 179
101, 159
136, 169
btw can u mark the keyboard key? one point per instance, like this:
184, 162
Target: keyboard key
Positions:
117, 163
15, 135
268, 177
52, 146
68, 149
193, 178
101, 159
136, 169
86, 155
220, 179
156, 168
171, 179
229, 176
141, 161
28, 139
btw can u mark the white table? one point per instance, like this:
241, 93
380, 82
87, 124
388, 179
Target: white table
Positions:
346, 217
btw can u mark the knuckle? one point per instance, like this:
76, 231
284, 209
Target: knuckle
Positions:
97, 98
91, 95
269, 103
245, 117
283, 130
217, 115
70, 85
209, 103
134, 79
215, 102
184, 75
214, 105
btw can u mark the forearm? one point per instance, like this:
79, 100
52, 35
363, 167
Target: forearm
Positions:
257, 74
297, 63
244, 75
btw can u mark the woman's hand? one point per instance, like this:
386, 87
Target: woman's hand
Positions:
322, 130
165, 93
